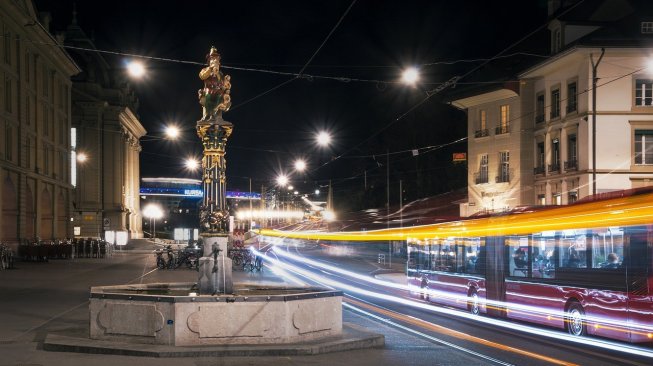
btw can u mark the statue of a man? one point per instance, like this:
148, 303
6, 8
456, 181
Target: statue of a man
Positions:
214, 97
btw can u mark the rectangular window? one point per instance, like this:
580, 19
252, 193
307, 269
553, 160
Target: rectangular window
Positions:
518, 256
572, 197
607, 248
482, 169
9, 98
644, 92
572, 151
27, 65
644, 147
504, 167
9, 142
504, 118
46, 159
573, 249
474, 255
539, 109
572, 97
555, 155
46, 81
647, 27
544, 260
555, 103
540, 163
6, 36
46, 121
541, 199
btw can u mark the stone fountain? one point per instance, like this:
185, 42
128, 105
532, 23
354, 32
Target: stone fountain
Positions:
213, 311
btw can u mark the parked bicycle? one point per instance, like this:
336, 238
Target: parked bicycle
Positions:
254, 265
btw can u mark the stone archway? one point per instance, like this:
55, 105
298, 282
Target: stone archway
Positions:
9, 211
61, 216
46, 215
30, 213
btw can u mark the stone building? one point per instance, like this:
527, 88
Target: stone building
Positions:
107, 131
538, 138
35, 146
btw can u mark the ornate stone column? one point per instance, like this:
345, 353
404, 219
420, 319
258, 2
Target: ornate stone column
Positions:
215, 267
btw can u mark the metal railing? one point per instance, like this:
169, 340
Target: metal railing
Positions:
539, 119
482, 133
500, 130
538, 170
481, 178
571, 165
554, 168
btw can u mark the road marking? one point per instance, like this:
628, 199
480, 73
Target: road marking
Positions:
460, 335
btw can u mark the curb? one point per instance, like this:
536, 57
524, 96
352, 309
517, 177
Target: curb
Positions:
353, 337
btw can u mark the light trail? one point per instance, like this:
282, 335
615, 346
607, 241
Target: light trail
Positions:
442, 330
603, 344
499, 305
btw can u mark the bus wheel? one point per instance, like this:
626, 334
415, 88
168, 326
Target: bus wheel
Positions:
575, 320
473, 303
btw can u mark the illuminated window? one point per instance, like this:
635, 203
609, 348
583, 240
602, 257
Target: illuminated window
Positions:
504, 119
518, 255
504, 167
544, 255
647, 27
644, 147
607, 248
644, 92
573, 249
482, 169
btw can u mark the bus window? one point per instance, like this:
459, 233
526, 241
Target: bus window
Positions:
518, 256
460, 255
473, 258
607, 248
573, 249
544, 261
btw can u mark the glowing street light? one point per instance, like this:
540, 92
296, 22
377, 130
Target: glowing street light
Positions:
300, 165
153, 212
410, 76
282, 180
172, 132
192, 164
323, 138
136, 69
81, 157
317, 191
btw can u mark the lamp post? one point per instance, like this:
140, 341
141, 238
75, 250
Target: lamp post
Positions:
594, 81
153, 212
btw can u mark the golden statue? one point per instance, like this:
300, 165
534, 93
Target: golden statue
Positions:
214, 97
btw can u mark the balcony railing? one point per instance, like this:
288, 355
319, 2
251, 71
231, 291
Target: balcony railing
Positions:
555, 114
539, 119
482, 133
554, 168
501, 130
481, 177
571, 165
538, 170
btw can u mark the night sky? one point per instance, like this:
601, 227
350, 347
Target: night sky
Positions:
374, 42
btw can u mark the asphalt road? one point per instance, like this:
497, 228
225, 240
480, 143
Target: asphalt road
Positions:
491, 343
37, 299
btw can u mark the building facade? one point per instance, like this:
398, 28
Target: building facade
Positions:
35, 145
107, 130
547, 156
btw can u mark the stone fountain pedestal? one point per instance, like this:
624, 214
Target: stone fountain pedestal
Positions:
215, 274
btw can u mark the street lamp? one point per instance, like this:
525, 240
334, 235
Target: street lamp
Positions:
410, 76
192, 164
282, 180
81, 157
300, 165
172, 132
136, 69
153, 212
323, 138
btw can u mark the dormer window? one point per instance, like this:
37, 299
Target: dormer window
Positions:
647, 27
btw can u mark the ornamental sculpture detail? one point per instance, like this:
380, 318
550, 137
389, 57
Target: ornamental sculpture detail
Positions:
213, 131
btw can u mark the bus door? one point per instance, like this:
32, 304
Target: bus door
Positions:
495, 274
638, 262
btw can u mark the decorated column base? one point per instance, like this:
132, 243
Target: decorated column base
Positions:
215, 272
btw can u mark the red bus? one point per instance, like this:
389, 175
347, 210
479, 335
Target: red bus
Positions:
586, 267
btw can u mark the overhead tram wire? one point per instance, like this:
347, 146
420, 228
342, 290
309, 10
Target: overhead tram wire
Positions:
450, 82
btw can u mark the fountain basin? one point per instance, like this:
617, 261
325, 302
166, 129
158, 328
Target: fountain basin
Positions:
174, 314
